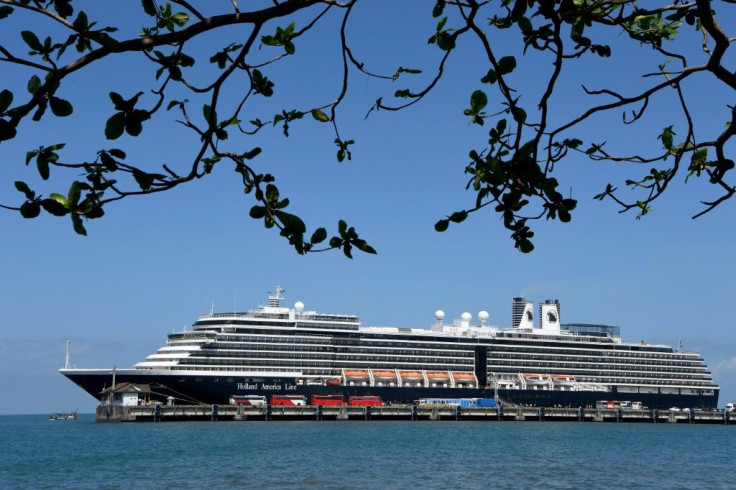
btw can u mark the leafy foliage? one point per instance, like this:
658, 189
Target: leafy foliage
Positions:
511, 171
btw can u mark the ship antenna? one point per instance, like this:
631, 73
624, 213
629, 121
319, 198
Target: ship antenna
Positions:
274, 299
66, 361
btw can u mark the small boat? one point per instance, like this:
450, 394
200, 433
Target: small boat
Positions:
356, 375
384, 375
563, 379
536, 379
463, 378
64, 416
334, 382
411, 377
438, 376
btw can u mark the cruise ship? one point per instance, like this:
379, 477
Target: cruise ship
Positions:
277, 350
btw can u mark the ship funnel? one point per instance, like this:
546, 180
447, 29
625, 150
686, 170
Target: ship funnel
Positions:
549, 314
522, 313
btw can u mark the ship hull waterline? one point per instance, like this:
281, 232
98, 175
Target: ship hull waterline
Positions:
217, 389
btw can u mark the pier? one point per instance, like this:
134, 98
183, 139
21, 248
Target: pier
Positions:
171, 413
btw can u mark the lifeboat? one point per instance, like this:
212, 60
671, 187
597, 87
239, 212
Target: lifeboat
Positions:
563, 379
463, 377
384, 375
411, 376
334, 382
438, 377
536, 379
356, 375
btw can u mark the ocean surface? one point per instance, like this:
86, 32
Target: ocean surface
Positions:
37, 453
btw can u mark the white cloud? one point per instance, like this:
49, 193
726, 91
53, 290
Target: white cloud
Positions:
725, 367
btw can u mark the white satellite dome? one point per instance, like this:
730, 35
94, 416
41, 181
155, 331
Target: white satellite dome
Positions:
299, 307
483, 316
439, 315
466, 316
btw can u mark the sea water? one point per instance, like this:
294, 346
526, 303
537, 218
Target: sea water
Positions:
38, 453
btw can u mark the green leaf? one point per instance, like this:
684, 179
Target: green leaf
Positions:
525, 24
5, 11
292, 223
115, 126
30, 209
445, 41
118, 100
442, 225
506, 65
319, 235
134, 123
209, 115
60, 199
252, 154
577, 29
34, 83
364, 247
180, 19
6, 98
43, 166
54, 207
23, 187
149, 7
320, 115
258, 212
490, 77
117, 153
7, 131
75, 192
63, 8
667, 137
144, 179
478, 101
519, 114
525, 246
459, 216
60, 107
31, 40
78, 225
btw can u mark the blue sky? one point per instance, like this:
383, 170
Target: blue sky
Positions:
155, 263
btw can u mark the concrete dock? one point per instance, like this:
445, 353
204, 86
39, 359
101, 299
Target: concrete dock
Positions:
165, 413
